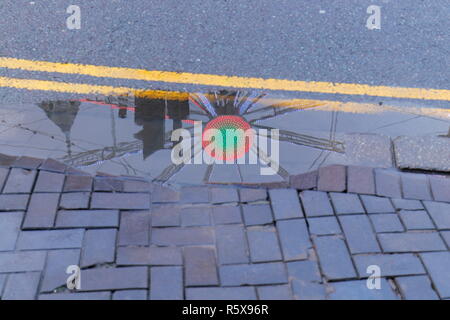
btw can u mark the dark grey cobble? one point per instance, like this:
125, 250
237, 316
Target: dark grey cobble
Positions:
346, 203
263, 243
411, 242
182, 236
285, 204
386, 222
388, 183
226, 214
375, 204
324, 226
332, 178
258, 214
231, 244
134, 228
359, 235
21, 286
41, 211
440, 187
50, 239
294, 239
22, 261
10, 223
438, 264
334, 258
200, 266
13, 202
102, 279
440, 213
360, 180
416, 288
75, 200
20, 181
99, 247
149, 256
166, 283
49, 182
415, 186
316, 203
195, 216
253, 274
87, 218
126, 201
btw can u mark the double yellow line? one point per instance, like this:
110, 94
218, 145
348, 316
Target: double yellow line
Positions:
191, 78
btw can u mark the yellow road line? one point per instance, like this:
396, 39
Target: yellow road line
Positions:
226, 81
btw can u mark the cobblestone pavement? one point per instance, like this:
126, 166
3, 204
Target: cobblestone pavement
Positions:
313, 239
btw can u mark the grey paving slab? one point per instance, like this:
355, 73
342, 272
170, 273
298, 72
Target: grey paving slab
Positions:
99, 247
359, 234
20, 181
285, 204
360, 180
149, 256
13, 202
195, 195
416, 220
346, 203
3, 175
390, 264
21, 286
50, 239
182, 236
253, 274
105, 295
130, 295
306, 271
324, 226
162, 194
126, 201
130, 185
332, 178
294, 239
87, 218
134, 228
251, 195
195, 216
440, 187
263, 243
226, 215
438, 264
49, 182
375, 204
334, 258
166, 216
53, 165
22, 261
221, 293
416, 288
440, 213
411, 242
108, 184
278, 292
77, 183
316, 203
386, 222
105, 279
41, 211
357, 290
200, 266
10, 223
388, 183
75, 200
166, 283
25, 162
58, 261
304, 181
231, 244
308, 290
407, 204
416, 186
223, 195
258, 214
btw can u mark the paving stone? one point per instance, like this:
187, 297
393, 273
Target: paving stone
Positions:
130, 295
324, 226
21, 286
388, 183
294, 239
134, 228
346, 203
231, 244
182, 236
75, 200
411, 242
416, 220
22, 261
279, 292
49, 182
440, 187
357, 290
108, 184
360, 180
87, 218
200, 266
375, 204
114, 278
50, 239
304, 181
416, 288
25, 162
195, 216
20, 181
195, 195
226, 214
440, 213
55, 275
227, 293
41, 210
316, 203
359, 235
126, 201
406, 204
10, 223
13, 202
162, 194
75, 183
390, 264
438, 264
166, 283
53, 165
304, 290
136, 186
415, 186
3, 174
253, 274
257, 214
99, 247
166, 216
334, 258
285, 204
446, 236
6, 160
263, 243
222, 195
332, 178
251, 195
149, 256
386, 222
77, 296
305, 271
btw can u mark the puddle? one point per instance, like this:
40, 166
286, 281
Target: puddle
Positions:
132, 135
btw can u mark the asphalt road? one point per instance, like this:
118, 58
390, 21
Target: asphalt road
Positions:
284, 39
